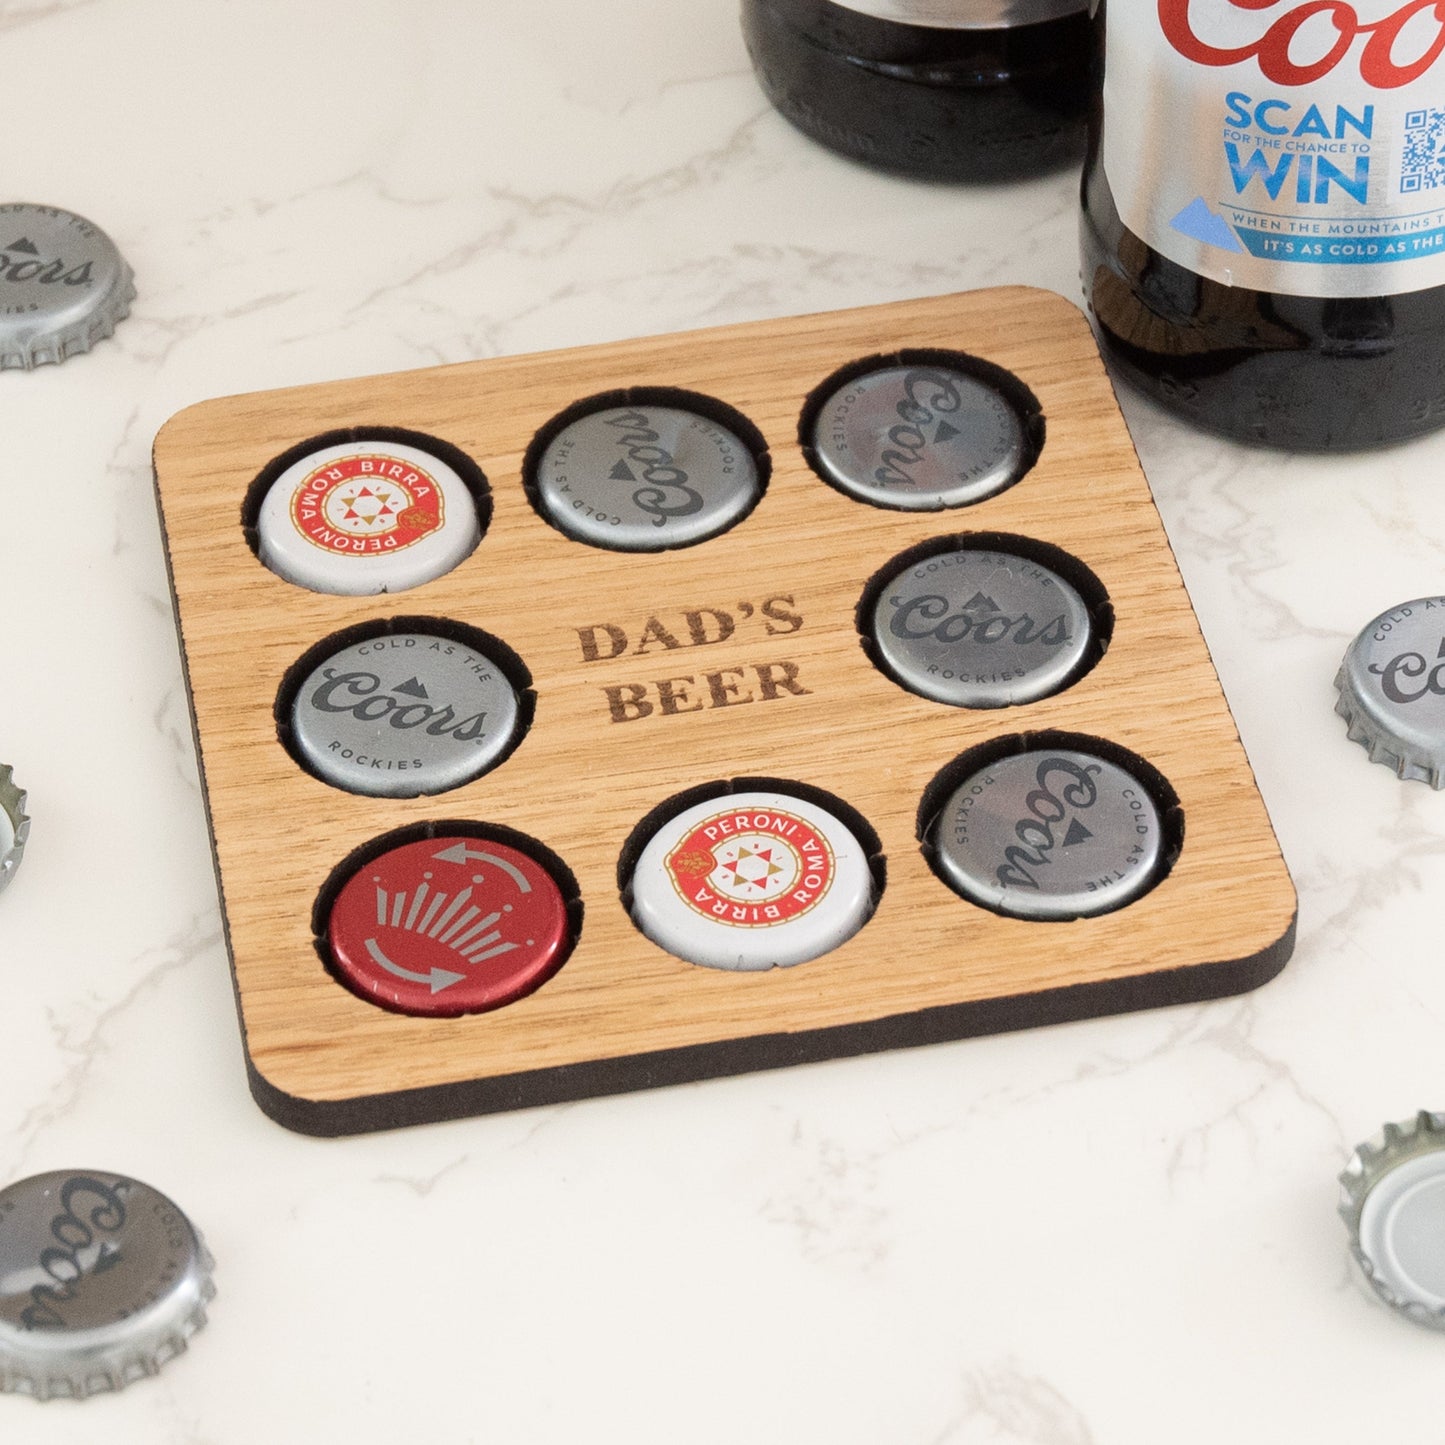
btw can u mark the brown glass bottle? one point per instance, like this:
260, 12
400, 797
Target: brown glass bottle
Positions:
1266, 367
1003, 98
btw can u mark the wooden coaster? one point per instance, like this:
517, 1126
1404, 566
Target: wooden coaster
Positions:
621, 1013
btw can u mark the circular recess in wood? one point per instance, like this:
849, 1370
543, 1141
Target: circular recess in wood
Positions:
358, 511
447, 918
921, 430
646, 469
985, 619
402, 707
1050, 826
751, 875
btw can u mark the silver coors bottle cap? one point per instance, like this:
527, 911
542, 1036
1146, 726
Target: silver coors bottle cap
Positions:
102, 1280
980, 628
14, 826
1392, 690
642, 478
1051, 834
1392, 1199
919, 438
404, 714
63, 285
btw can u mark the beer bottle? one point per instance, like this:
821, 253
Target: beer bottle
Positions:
939, 89
1263, 228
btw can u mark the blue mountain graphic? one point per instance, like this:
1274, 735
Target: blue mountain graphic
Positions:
1199, 223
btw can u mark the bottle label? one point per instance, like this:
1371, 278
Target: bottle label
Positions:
966, 14
1291, 146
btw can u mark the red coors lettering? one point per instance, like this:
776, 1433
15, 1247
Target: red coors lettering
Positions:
1276, 50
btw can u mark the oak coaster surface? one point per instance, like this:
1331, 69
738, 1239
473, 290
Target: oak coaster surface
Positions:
621, 1013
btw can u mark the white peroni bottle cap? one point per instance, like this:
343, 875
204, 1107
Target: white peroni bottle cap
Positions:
102, 1280
63, 285
752, 881
14, 826
366, 516
1392, 1199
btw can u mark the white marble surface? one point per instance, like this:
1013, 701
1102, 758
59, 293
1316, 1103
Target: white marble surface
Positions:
1119, 1232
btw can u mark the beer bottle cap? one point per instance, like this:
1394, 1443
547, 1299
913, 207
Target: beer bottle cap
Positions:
919, 438
1050, 835
752, 881
980, 628
643, 477
1392, 690
448, 926
63, 285
1392, 1199
14, 826
403, 714
366, 516
102, 1280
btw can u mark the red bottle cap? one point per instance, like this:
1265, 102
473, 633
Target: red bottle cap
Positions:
448, 926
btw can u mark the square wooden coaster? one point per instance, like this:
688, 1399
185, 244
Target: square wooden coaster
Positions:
622, 1013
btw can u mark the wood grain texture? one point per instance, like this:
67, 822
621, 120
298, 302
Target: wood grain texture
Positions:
622, 1013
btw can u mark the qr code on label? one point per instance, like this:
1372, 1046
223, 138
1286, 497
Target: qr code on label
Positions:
1423, 163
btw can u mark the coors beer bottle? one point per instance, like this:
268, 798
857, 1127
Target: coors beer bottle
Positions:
1264, 214
943, 89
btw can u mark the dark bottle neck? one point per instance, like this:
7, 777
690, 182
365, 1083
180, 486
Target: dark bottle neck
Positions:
894, 38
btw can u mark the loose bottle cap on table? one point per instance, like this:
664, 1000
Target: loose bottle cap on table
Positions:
63, 285
981, 629
404, 714
448, 926
642, 478
1392, 1199
14, 826
918, 438
1050, 835
752, 881
1392, 690
364, 517
102, 1280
